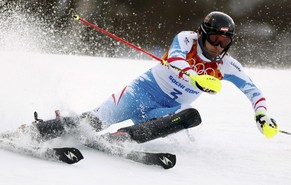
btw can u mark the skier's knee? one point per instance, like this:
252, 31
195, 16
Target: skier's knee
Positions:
193, 118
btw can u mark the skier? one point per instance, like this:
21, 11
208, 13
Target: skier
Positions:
158, 101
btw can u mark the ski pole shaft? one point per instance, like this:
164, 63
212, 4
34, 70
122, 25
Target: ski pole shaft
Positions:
284, 132
213, 83
76, 17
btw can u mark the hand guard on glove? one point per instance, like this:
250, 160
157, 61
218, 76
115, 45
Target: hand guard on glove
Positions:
266, 125
206, 83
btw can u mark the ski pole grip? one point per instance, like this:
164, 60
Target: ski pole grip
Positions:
76, 17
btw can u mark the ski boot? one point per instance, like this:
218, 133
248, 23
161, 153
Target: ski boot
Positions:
117, 137
61, 125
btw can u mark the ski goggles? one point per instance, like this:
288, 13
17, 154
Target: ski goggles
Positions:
222, 40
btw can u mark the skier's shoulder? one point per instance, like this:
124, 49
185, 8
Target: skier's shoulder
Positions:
231, 65
187, 34
184, 40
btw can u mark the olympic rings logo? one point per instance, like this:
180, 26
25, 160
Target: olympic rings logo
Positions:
200, 68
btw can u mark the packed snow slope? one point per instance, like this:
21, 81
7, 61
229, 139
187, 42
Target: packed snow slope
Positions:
227, 148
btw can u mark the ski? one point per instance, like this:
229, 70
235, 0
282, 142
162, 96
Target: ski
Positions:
66, 154
164, 160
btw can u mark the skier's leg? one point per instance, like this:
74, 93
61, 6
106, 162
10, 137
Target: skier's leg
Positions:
139, 101
132, 103
160, 127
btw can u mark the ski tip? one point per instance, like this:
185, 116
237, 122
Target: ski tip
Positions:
164, 160
68, 155
167, 160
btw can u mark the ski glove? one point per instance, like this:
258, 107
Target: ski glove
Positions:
266, 125
206, 83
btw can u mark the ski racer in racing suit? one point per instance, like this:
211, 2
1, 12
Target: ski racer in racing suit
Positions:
195, 63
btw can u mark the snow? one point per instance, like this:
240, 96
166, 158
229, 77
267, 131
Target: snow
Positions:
228, 148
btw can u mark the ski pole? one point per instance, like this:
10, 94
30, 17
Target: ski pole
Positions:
77, 18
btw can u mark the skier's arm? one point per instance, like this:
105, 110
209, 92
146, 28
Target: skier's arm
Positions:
240, 79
